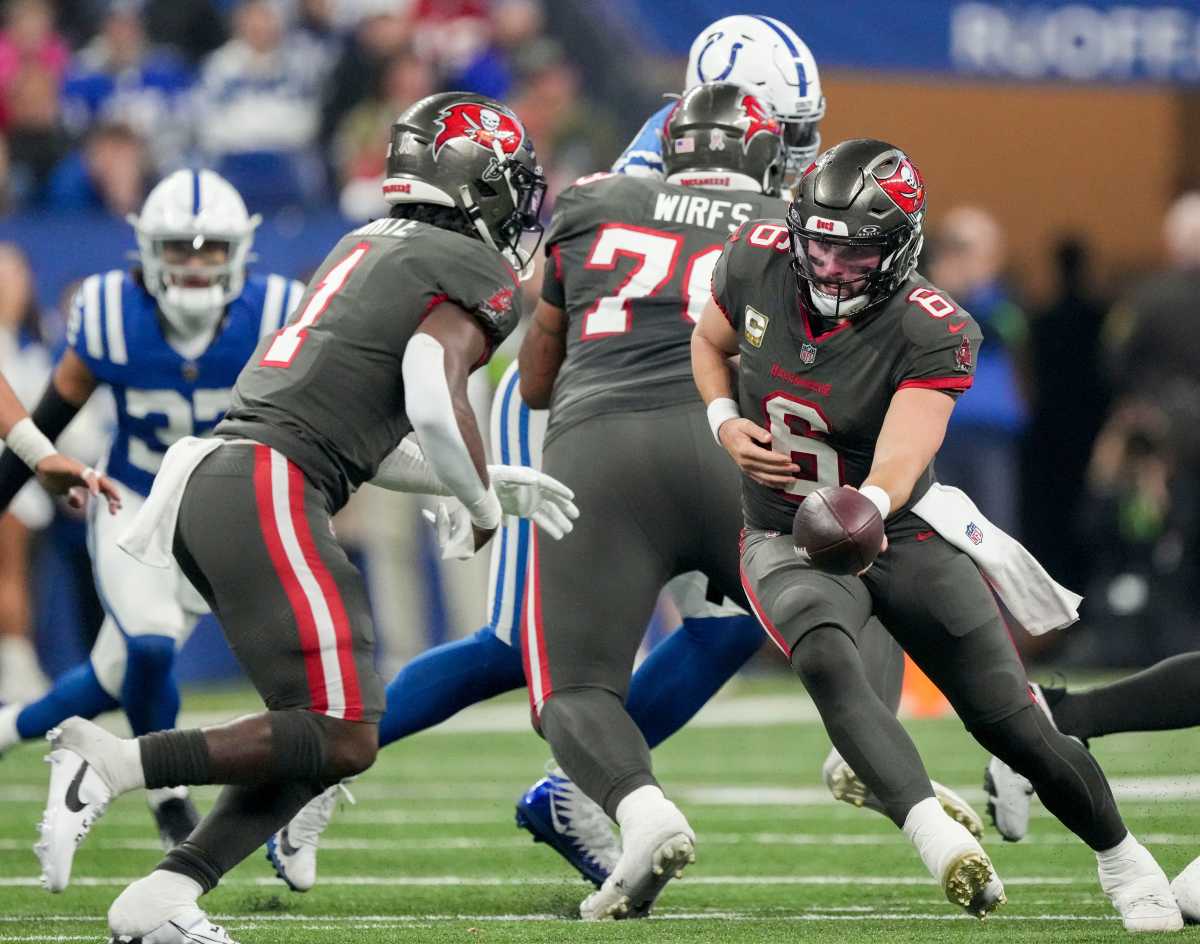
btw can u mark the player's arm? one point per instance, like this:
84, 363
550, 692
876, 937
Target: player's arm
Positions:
30, 439
912, 433
542, 353
437, 361
714, 342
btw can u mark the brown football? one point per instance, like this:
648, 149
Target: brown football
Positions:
839, 529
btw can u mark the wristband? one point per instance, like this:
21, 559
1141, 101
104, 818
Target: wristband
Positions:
720, 410
879, 498
486, 512
29, 443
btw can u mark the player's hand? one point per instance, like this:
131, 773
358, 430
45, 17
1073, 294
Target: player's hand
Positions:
62, 475
456, 535
528, 493
750, 446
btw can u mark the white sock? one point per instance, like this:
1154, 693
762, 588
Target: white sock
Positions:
1111, 858
128, 767
8, 726
936, 836
643, 801
151, 902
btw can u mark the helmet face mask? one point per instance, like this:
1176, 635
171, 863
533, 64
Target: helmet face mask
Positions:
856, 227
461, 150
194, 237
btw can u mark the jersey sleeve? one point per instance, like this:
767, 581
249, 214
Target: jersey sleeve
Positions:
96, 325
738, 268
487, 287
643, 156
942, 344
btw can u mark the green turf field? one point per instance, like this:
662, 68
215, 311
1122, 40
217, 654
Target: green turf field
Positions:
430, 853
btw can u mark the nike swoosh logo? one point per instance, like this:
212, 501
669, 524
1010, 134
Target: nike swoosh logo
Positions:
925, 535
72, 801
286, 847
955, 328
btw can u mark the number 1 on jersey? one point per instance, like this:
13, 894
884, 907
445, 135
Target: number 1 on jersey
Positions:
290, 338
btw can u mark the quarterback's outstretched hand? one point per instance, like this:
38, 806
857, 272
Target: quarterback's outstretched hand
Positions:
528, 493
750, 446
62, 475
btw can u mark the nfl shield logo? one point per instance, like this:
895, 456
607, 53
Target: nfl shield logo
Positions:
808, 353
974, 533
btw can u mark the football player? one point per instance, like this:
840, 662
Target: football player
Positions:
607, 352
766, 56
169, 340
58, 474
850, 364
394, 320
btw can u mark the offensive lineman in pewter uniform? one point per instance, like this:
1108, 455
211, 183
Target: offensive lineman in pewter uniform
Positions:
628, 274
382, 343
849, 366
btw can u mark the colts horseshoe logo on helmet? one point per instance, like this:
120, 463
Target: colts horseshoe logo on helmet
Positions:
480, 125
760, 121
902, 182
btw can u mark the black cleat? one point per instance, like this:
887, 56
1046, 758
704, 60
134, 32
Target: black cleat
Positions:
176, 818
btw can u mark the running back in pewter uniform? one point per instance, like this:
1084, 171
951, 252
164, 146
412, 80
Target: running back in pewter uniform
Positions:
863, 399
327, 390
414, 303
630, 268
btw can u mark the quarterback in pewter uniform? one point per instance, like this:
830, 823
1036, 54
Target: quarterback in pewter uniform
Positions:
381, 345
169, 340
607, 352
849, 367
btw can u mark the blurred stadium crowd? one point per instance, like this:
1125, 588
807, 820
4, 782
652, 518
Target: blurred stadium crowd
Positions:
1080, 434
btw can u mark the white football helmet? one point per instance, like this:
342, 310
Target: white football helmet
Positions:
195, 208
766, 56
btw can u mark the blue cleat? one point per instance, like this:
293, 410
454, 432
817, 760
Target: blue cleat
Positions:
559, 814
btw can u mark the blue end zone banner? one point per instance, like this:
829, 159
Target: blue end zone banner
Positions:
1094, 41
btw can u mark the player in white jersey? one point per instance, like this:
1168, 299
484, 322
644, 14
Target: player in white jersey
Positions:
169, 339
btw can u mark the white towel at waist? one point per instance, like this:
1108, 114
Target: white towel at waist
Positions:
1032, 596
150, 537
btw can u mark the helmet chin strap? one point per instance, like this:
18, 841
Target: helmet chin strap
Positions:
833, 307
524, 266
192, 311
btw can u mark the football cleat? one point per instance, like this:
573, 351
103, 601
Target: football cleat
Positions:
650, 858
971, 883
1010, 794
843, 783
1186, 889
1139, 890
558, 813
174, 813
191, 927
293, 850
79, 794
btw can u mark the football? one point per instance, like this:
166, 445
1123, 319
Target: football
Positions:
839, 529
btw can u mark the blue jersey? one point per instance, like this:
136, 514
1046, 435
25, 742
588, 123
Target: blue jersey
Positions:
643, 157
162, 396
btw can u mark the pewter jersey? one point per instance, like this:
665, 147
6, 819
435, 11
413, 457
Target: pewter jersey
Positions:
823, 388
631, 261
327, 390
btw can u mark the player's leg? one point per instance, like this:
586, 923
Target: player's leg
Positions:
1164, 697
581, 637
938, 606
1186, 889
294, 610
816, 619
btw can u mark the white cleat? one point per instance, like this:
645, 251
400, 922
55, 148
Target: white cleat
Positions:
293, 850
1139, 890
1186, 889
188, 927
650, 858
843, 783
79, 794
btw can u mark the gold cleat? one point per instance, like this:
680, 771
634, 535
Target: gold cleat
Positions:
971, 883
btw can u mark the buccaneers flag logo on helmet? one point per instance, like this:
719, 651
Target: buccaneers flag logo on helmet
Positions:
903, 183
760, 120
480, 125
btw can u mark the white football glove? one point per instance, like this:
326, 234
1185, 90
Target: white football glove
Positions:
523, 492
528, 493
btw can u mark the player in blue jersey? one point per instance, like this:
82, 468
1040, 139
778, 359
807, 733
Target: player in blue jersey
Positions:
760, 53
169, 340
